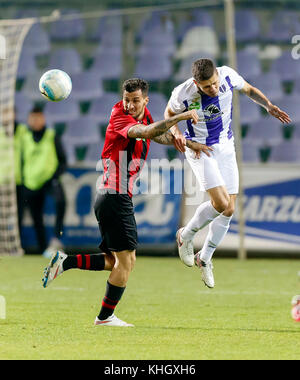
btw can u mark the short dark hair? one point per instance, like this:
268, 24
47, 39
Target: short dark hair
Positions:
134, 84
203, 69
37, 109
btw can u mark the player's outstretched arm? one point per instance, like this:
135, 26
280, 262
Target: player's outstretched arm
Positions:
258, 97
168, 139
160, 127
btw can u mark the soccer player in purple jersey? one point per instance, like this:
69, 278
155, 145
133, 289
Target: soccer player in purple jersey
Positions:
210, 91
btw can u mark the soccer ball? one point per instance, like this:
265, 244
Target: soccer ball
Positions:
296, 308
55, 85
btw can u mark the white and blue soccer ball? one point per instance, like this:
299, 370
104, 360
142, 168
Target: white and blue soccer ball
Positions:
55, 85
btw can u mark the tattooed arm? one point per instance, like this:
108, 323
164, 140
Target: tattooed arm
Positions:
165, 139
160, 127
168, 139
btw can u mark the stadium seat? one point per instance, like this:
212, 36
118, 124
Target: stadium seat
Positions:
194, 18
157, 19
101, 107
27, 64
286, 67
112, 37
80, 133
107, 51
157, 104
248, 65
283, 25
200, 40
266, 131
247, 26
107, 64
290, 104
154, 68
249, 111
159, 39
296, 135
31, 87
66, 59
83, 130
270, 84
37, 40
64, 30
158, 50
296, 87
93, 153
250, 153
61, 112
23, 106
86, 86
109, 32
287, 151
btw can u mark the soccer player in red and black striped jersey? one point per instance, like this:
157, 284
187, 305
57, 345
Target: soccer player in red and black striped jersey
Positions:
125, 149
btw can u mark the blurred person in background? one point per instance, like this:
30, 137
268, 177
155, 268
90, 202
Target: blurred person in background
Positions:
43, 162
210, 92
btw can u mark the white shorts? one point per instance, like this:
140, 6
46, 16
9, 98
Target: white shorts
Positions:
220, 169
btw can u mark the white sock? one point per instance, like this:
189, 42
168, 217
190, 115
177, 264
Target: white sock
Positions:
204, 214
217, 231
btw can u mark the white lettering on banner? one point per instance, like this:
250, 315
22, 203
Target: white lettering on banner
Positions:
153, 186
156, 211
73, 185
295, 214
272, 208
2, 308
268, 209
285, 204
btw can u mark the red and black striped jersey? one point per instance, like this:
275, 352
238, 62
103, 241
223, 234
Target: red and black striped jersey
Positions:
123, 157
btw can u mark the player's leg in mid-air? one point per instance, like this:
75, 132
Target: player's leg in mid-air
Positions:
120, 264
217, 230
218, 175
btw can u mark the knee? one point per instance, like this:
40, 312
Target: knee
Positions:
221, 204
126, 261
109, 261
229, 211
133, 260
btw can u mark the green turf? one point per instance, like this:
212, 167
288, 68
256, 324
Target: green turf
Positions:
246, 316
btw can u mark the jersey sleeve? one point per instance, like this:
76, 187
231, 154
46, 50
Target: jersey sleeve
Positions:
176, 104
236, 79
121, 122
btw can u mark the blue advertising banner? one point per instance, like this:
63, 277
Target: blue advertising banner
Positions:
157, 202
272, 211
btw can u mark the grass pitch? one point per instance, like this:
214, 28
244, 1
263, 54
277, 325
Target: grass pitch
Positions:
246, 316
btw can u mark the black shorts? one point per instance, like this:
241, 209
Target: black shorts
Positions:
115, 216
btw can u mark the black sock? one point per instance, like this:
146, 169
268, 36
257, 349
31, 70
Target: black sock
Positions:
88, 262
112, 297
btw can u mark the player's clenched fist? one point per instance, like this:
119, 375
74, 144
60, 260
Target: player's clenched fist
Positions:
191, 115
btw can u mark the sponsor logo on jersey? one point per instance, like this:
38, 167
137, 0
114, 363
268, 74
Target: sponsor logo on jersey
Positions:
210, 112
